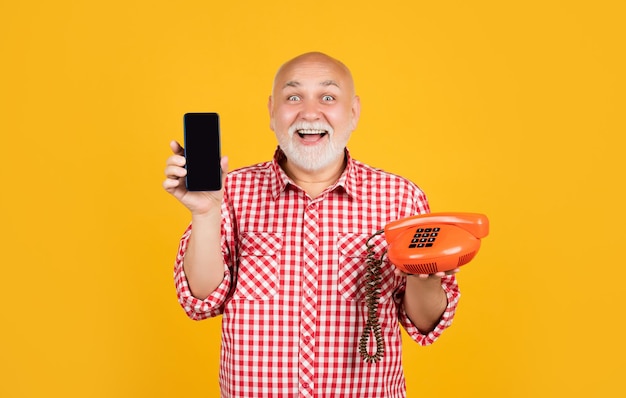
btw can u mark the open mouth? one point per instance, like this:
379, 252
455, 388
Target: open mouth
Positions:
311, 135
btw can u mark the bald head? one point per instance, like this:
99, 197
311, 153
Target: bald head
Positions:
313, 111
338, 73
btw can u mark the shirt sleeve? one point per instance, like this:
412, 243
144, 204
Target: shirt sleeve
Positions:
451, 288
195, 308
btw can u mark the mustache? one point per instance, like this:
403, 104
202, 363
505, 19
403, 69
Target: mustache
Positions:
302, 125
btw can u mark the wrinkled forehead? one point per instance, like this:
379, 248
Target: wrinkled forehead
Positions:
315, 69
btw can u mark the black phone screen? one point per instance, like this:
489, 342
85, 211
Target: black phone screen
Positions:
202, 152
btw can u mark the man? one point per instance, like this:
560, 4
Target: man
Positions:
281, 253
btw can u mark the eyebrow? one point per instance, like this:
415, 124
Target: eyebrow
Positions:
325, 83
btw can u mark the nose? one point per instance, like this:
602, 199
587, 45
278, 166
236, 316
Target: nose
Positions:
310, 110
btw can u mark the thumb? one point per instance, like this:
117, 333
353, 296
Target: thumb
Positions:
224, 165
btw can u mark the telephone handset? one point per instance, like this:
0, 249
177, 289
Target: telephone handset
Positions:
422, 244
435, 242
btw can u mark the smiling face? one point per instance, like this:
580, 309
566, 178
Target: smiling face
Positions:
313, 111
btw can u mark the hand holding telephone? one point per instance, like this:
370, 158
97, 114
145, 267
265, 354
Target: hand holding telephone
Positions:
422, 244
435, 242
202, 152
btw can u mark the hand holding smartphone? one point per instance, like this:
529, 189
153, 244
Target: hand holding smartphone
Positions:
202, 152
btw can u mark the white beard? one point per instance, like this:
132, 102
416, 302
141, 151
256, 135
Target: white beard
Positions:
312, 158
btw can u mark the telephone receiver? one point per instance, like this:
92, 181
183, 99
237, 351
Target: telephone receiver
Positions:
435, 242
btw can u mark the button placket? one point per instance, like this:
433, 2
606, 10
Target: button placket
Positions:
309, 300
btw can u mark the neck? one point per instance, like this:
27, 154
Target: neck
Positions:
314, 182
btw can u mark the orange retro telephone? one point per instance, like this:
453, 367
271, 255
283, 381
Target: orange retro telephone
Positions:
435, 242
422, 244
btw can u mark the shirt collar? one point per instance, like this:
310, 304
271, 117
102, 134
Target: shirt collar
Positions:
348, 180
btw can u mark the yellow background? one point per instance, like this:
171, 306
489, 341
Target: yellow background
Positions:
514, 109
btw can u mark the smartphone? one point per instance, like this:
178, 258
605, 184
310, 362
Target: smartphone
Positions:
202, 152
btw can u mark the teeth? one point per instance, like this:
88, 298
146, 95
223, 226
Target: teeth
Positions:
302, 132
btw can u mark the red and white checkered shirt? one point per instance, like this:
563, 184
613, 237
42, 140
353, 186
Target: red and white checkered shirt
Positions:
292, 297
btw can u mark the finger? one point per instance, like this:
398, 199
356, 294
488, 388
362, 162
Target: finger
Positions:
176, 160
435, 275
398, 272
170, 184
175, 172
224, 166
176, 148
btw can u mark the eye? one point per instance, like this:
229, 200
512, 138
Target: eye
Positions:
293, 98
327, 98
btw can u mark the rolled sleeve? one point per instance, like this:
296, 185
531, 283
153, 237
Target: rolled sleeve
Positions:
451, 288
195, 308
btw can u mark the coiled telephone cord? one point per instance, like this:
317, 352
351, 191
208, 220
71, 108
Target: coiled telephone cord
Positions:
373, 281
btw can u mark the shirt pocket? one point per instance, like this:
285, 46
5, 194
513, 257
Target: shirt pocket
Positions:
258, 265
353, 266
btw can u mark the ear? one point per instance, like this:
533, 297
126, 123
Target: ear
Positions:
356, 111
270, 109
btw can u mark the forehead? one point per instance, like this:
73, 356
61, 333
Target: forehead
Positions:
317, 72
